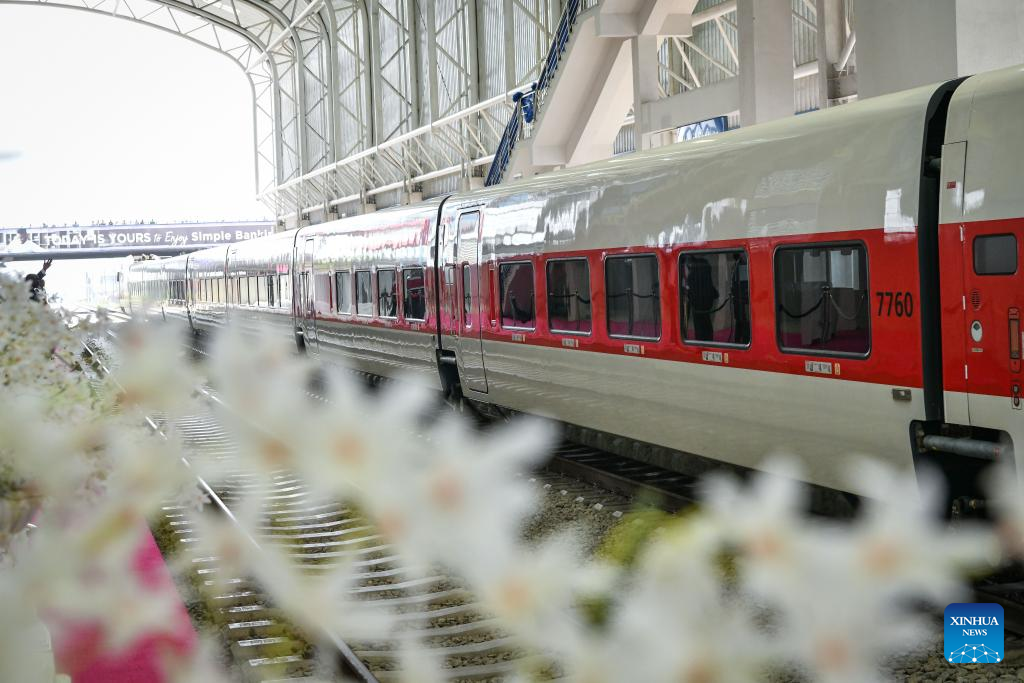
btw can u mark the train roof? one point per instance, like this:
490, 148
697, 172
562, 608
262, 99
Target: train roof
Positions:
850, 167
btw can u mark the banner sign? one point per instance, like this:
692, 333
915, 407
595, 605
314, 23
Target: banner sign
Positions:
169, 235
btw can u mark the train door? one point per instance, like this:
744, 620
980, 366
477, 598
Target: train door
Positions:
983, 260
468, 280
307, 299
993, 301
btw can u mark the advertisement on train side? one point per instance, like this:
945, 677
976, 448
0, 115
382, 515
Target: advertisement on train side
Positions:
98, 237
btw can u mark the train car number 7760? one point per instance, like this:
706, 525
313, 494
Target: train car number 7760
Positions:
900, 304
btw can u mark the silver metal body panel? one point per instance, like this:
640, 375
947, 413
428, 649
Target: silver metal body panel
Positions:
733, 415
397, 238
208, 263
846, 168
985, 111
262, 257
380, 350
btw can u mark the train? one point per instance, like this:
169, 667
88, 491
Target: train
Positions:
831, 286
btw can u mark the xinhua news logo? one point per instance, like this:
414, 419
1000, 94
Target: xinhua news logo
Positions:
974, 633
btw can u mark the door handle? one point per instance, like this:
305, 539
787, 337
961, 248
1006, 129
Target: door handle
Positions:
1013, 316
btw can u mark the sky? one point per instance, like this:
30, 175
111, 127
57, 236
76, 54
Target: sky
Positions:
105, 119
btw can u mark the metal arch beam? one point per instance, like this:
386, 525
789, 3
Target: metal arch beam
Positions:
272, 71
351, 63
58, 4
127, 14
310, 37
287, 90
289, 50
351, 12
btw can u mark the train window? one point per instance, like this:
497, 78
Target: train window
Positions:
364, 295
995, 255
387, 293
822, 299
633, 294
414, 294
254, 290
285, 285
322, 292
269, 279
343, 283
714, 297
569, 295
517, 309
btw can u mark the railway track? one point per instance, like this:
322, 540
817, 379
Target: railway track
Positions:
586, 475
437, 610
265, 644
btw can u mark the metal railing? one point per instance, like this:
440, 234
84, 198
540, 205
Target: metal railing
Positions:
508, 141
531, 98
453, 145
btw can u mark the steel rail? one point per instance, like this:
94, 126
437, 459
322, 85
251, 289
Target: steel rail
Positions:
350, 662
1003, 594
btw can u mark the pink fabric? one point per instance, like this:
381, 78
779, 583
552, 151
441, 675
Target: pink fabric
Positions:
641, 328
846, 341
77, 644
512, 322
566, 325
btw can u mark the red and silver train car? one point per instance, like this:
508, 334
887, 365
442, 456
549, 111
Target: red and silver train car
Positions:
833, 285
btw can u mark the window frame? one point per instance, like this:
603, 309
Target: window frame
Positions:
284, 285
776, 291
351, 291
607, 308
679, 291
467, 296
547, 293
501, 295
355, 284
267, 284
377, 292
405, 297
974, 254
254, 291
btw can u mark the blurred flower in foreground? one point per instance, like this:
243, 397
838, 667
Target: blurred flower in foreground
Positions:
1006, 491
747, 584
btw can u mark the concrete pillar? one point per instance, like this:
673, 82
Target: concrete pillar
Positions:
830, 45
766, 59
644, 52
906, 43
989, 35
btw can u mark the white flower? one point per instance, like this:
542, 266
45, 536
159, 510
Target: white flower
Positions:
764, 524
900, 546
153, 374
1006, 493
321, 603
